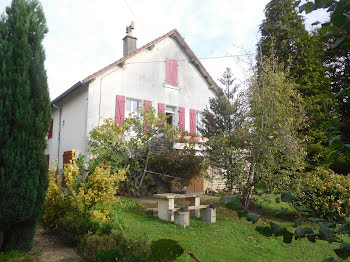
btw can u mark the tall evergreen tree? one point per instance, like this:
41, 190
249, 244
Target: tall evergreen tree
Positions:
283, 32
24, 122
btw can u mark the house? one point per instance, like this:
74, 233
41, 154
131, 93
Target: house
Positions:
164, 74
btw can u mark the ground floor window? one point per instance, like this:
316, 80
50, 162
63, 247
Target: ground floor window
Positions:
170, 115
199, 122
132, 107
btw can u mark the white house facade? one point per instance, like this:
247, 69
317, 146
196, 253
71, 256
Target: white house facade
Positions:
164, 73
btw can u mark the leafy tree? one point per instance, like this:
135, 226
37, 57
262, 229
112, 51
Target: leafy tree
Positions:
24, 123
143, 143
260, 145
337, 61
301, 54
338, 26
273, 148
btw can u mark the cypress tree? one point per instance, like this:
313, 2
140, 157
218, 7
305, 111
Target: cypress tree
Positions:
24, 123
283, 32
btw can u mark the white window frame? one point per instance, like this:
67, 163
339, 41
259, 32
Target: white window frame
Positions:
199, 122
171, 112
132, 102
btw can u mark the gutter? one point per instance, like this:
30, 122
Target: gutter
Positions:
59, 134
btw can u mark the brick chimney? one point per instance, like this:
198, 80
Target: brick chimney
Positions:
129, 41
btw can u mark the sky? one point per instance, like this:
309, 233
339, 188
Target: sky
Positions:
86, 35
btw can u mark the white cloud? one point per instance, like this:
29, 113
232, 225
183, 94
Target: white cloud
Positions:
85, 35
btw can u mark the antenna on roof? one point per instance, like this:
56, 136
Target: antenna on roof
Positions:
130, 28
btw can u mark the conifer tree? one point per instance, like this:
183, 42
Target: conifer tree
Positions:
283, 32
24, 123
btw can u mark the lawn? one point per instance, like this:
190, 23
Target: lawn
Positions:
229, 239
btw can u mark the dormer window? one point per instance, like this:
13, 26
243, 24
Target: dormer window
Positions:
171, 72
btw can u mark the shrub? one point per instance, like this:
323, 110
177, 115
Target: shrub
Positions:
326, 193
183, 165
130, 145
15, 256
72, 228
54, 204
117, 247
91, 198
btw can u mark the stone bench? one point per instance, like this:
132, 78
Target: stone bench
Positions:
182, 215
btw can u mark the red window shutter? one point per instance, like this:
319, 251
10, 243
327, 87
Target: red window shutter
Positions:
182, 118
171, 72
193, 121
174, 73
119, 109
168, 72
148, 104
50, 130
161, 107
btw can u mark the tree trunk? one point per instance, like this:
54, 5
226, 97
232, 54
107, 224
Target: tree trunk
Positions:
250, 185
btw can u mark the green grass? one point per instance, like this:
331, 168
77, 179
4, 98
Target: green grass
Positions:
15, 256
229, 239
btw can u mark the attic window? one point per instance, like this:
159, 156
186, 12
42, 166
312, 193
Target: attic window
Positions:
171, 72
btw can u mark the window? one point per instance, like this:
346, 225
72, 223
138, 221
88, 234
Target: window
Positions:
171, 72
132, 107
170, 115
199, 122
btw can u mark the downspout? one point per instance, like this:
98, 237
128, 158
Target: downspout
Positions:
59, 134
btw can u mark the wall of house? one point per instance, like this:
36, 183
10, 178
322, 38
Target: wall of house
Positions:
143, 78
73, 126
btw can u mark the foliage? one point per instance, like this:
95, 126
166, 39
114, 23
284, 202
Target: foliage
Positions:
227, 81
115, 247
180, 166
166, 250
338, 26
337, 61
130, 145
274, 149
327, 194
224, 116
90, 198
54, 207
24, 121
326, 231
301, 54
72, 228
15, 256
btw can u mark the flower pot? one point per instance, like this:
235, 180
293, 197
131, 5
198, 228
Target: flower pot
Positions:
187, 137
205, 139
196, 138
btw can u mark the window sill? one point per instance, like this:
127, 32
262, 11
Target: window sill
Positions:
172, 87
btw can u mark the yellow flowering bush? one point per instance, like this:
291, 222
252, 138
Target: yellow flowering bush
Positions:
54, 204
89, 198
100, 188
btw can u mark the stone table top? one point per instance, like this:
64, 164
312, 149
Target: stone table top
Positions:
173, 195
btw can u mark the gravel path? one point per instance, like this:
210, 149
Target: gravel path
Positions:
49, 248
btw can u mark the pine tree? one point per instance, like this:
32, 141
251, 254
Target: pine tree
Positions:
24, 122
283, 32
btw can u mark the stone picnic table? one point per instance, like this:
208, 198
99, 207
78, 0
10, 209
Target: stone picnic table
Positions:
168, 212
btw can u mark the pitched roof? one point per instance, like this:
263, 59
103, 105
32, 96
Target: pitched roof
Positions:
176, 36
